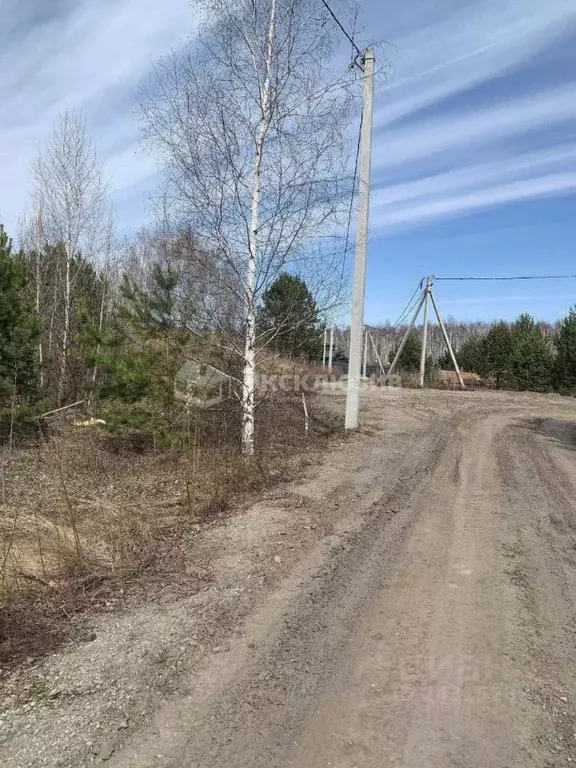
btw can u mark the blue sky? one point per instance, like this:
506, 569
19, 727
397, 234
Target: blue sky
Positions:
475, 133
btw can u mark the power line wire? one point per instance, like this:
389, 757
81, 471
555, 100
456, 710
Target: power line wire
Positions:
513, 277
353, 194
412, 301
359, 53
405, 315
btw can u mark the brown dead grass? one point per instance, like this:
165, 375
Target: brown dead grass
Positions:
88, 519
442, 380
449, 379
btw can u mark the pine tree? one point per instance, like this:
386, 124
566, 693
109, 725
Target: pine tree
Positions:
139, 356
495, 354
289, 318
409, 360
532, 357
564, 370
471, 355
19, 330
151, 311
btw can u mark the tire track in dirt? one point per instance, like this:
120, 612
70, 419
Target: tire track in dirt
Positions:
251, 717
541, 547
407, 647
435, 678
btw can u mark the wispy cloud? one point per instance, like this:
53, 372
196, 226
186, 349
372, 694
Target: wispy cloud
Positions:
480, 111
472, 44
467, 124
90, 55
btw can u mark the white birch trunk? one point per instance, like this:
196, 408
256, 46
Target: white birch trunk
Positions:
249, 374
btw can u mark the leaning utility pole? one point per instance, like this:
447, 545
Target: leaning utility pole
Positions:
400, 349
447, 340
357, 324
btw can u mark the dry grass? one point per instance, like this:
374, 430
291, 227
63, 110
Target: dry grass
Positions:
449, 379
439, 379
87, 518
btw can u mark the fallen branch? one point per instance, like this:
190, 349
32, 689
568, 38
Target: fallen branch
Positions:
32, 577
57, 410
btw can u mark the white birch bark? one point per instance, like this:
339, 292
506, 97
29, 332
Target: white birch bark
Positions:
249, 374
104, 297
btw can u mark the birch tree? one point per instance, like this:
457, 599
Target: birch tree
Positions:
67, 177
250, 123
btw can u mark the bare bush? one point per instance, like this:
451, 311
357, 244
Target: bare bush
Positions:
87, 517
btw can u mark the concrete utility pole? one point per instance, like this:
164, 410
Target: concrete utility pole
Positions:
423, 300
357, 324
324, 349
424, 332
331, 349
377, 356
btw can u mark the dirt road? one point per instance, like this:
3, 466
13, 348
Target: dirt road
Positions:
431, 625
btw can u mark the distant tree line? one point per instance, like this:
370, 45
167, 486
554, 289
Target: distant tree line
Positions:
522, 355
386, 337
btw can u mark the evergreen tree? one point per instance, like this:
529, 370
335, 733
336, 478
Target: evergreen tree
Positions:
564, 369
532, 357
289, 318
139, 356
495, 354
471, 356
409, 360
151, 311
89, 288
19, 329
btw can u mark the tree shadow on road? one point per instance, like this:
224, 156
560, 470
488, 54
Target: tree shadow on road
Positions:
557, 431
